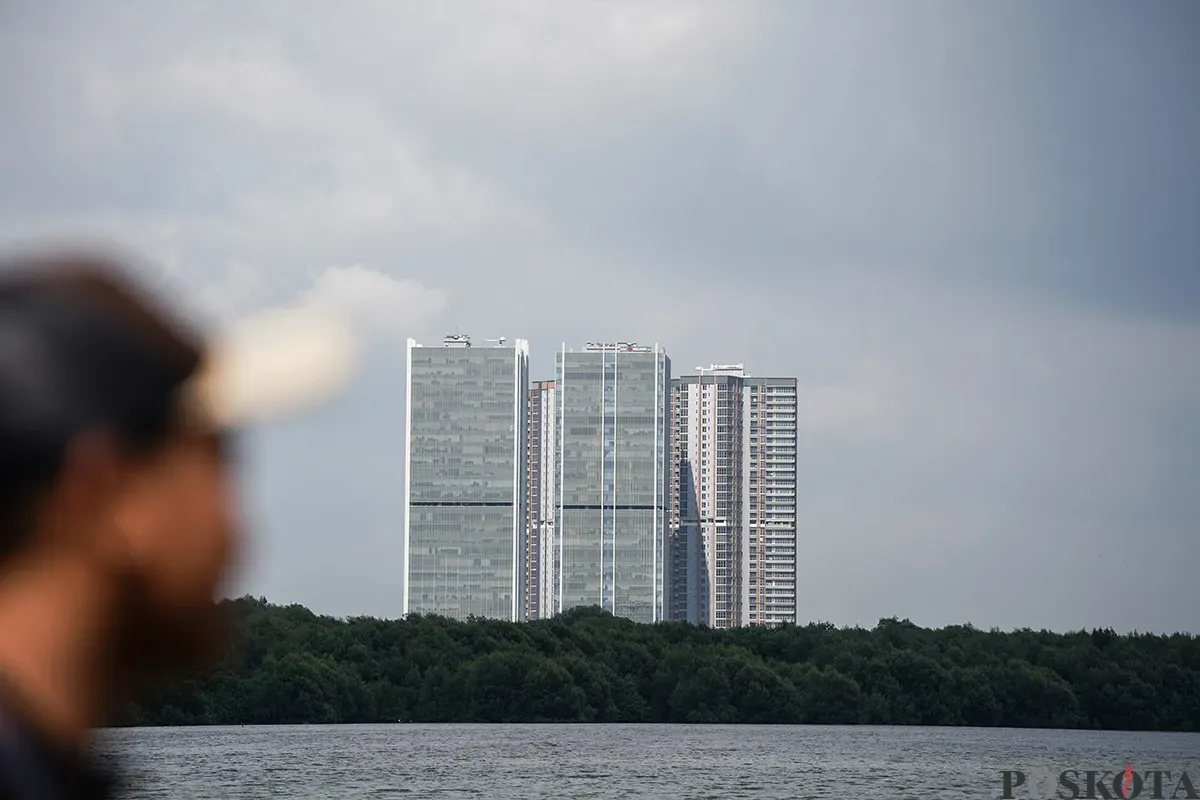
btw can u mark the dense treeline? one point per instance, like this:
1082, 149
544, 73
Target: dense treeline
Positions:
291, 666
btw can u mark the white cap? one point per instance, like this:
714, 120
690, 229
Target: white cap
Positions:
272, 366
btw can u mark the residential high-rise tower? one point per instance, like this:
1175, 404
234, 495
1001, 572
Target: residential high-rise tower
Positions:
708, 531
733, 521
541, 544
769, 494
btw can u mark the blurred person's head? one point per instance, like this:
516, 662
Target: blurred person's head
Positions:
117, 505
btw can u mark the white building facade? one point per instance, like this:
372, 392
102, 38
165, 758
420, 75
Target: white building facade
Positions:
541, 541
733, 517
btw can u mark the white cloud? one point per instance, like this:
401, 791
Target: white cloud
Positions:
392, 307
242, 288
320, 158
565, 45
382, 307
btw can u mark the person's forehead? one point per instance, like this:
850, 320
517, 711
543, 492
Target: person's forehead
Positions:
215, 448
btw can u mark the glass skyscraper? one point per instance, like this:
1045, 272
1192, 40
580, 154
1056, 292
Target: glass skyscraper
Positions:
614, 475
465, 464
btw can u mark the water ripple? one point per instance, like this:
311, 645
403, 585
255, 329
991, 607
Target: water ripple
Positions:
507, 762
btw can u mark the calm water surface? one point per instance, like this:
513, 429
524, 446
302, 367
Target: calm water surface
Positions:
620, 761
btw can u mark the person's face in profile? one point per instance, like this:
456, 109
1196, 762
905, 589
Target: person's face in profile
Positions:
192, 502
171, 532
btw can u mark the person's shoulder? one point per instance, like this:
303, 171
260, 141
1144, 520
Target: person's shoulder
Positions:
32, 767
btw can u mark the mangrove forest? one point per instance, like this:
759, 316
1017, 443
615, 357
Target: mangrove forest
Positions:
286, 664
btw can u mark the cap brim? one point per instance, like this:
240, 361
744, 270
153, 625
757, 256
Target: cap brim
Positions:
273, 366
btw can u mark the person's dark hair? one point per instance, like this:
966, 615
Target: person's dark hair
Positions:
80, 349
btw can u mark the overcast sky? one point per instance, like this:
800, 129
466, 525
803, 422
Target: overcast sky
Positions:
971, 231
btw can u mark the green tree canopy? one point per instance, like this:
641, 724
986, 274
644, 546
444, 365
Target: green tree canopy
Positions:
288, 665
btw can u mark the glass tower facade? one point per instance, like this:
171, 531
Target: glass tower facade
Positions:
613, 459
465, 465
